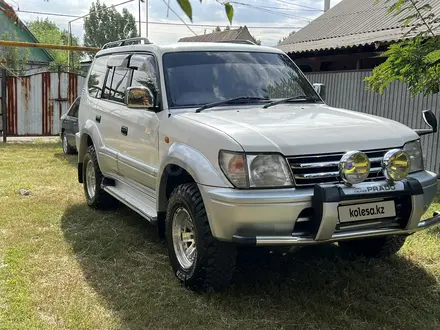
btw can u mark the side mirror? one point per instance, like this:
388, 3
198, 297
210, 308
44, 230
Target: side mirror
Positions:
139, 97
431, 121
320, 89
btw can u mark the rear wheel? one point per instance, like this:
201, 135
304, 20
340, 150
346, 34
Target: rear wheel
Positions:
67, 148
92, 177
199, 260
375, 247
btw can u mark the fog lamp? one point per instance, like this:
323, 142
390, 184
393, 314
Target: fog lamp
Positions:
354, 167
396, 165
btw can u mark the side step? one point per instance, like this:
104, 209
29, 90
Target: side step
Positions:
138, 201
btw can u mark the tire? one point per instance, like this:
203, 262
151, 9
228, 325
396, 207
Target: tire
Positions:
375, 247
96, 197
213, 264
67, 148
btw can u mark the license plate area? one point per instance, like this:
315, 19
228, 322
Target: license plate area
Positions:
367, 211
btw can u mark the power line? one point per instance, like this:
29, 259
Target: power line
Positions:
298, 5
178, 16
284, 8
270, 11
165, 23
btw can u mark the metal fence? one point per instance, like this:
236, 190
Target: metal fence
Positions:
35, 103
347, 90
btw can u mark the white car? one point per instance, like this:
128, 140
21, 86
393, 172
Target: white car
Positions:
223, 145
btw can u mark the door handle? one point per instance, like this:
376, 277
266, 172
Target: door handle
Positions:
98, 119
124, 130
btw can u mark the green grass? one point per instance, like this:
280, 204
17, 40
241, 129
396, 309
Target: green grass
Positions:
65, 266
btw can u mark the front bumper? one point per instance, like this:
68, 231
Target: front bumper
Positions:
310, 216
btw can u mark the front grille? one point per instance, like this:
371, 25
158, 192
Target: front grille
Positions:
310, 170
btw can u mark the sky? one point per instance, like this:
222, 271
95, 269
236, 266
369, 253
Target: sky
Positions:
267, 20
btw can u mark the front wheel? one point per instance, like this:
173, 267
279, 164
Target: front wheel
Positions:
199, 260
375, 247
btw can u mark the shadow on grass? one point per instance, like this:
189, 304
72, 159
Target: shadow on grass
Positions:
71, 159
315, 287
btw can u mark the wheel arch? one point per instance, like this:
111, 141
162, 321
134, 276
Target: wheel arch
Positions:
184, 163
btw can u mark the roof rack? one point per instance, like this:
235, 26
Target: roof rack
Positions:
239, 41
125, 42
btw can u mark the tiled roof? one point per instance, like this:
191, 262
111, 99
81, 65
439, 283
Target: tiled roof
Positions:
352, 23
216, 36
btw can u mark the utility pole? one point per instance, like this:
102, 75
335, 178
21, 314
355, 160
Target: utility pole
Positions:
146, 14
326, 5
69, 55
140, 22
4, 110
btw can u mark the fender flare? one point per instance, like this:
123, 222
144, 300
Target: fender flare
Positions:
192, 161
89, 130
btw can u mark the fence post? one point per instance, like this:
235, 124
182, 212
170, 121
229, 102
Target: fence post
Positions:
4, 110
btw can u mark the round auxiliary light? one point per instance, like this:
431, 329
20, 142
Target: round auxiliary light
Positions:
354, 167
396, 165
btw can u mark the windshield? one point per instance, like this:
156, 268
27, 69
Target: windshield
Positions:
198, 78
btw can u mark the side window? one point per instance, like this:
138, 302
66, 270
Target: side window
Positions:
116, 84
73, 112
146, 74
97, 76
108, 84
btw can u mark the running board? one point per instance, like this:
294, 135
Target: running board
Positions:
136, 200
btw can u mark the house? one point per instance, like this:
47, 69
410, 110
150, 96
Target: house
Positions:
350, 36
11, 25
240, 34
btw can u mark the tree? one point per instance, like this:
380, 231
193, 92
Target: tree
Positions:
14, 58
284, 38
416, 61
106, 24
219, 29
48, 32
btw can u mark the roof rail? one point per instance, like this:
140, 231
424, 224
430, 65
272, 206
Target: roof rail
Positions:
126, 42
239, 41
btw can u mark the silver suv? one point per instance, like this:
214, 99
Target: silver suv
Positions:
223, 145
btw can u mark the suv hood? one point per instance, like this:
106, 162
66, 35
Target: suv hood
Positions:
299, 129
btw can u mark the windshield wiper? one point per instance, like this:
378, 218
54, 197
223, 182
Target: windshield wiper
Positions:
240, 98
289, 99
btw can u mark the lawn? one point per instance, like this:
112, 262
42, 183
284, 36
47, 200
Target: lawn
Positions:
65, 266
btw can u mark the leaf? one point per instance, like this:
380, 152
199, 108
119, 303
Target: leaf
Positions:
433, 56
186, 7
229, 11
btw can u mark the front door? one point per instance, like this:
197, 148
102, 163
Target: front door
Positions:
139, 156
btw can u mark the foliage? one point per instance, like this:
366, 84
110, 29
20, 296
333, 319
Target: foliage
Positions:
47, 31
415, 62
284, 38
14, 58
106, 24
219, 29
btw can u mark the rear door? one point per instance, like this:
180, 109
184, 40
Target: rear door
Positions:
71, 122
102, 115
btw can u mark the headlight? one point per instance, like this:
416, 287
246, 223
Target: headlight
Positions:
396, 164
255, 171
414, 150
354, 167
268, 171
